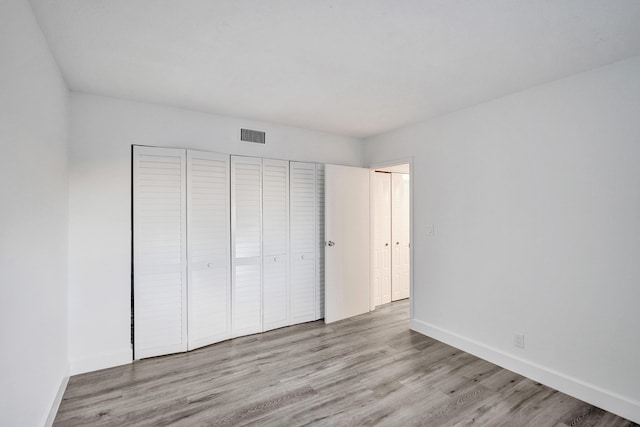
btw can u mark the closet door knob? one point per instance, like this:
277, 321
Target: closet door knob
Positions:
386, 244
301, 256
397, 243
331, 243
275, 259
209, 265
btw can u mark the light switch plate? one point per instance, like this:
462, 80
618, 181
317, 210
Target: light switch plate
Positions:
430, 230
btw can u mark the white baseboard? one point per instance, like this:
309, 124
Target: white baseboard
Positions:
103, 361
605, 399
56, 402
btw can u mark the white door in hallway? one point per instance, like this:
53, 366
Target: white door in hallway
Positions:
400, 234
347, 254
381, 236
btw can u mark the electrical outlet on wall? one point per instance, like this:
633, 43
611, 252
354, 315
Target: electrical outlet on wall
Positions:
518, 339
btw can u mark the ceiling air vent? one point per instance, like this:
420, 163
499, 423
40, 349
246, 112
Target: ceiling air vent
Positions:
252, 136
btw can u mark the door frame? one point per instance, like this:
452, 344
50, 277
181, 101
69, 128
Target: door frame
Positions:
386, 164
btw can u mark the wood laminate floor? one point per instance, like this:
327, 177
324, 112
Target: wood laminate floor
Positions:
368, 370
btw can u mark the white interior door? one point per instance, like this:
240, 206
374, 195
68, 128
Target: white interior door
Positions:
303, 242
347, 286
208, 248
275, 243
400, 218
381, 235
159, 239
246, 245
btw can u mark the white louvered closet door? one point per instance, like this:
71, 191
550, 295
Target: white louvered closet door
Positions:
246, 245
319, 241
275, 243
302, 301
159, 235
208, 238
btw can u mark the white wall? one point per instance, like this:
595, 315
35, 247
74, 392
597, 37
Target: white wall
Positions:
535, 199
102, 132
33, 220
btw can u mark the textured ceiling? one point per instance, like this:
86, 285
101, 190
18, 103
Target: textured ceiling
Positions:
351, 67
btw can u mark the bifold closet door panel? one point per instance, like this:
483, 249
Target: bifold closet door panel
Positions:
400, 206
246, 245
275, 243
381, 236
319, 241
159, 251
302, 301
208, 239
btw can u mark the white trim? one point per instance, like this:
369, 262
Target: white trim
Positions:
53, 411
621, 405
395, 162
102, 361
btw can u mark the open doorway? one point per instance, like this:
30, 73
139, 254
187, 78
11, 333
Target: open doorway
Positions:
390, 189
357, 254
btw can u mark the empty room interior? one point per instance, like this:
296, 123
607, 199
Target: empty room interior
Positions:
301, 212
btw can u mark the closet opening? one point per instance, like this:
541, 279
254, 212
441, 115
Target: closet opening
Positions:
391, 254
223, 246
